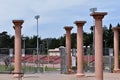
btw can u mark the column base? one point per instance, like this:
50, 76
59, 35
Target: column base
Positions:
18, 74
80, 75
116, 71
70, 71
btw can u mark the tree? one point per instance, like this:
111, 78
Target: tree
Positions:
118, 25
32, 41
4, 40
73, 40
7, 41
54, 43
62, 40
110, 37
87, 39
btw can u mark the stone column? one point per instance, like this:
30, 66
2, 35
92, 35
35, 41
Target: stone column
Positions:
80, 54
116, 49
17, 64
98, 16
68, 47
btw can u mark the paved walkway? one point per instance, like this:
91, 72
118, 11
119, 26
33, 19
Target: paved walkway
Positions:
58, 76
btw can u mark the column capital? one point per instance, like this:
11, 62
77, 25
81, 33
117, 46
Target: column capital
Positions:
69, 28
18, 22
98, 15
80, 23
116, 28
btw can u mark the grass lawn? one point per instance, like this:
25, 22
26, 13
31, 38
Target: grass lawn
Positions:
27, 69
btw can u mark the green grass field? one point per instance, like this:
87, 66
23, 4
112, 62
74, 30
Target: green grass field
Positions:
27, 69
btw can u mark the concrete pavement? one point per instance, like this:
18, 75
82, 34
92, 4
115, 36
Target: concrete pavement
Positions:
58, 76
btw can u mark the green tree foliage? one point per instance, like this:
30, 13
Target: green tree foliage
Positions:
7, 41
32, 42
118, 25
87, 39
62, 40
73, 40
109, 37
54, 43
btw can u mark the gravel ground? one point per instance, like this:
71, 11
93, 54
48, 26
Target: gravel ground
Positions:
58, 76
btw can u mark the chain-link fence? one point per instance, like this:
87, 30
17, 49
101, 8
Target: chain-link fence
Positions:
31, 63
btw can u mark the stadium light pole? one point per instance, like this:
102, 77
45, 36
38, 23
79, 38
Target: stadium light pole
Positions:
93, 10
37, 17
23, 38
23, 52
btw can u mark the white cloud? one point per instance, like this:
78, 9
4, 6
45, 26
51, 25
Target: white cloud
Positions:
53, 13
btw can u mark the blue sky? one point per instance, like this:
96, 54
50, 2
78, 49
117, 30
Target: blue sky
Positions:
54, 15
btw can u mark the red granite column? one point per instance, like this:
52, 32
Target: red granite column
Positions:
80, 47
17, 64
98, 16
68, 47
116, 49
